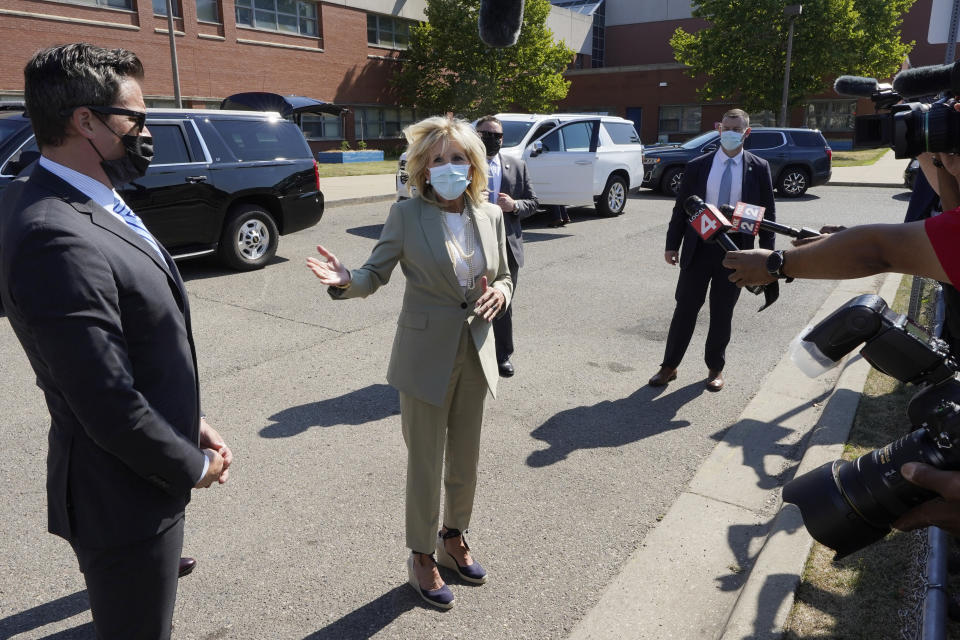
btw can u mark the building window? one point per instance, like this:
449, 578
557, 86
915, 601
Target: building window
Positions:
680, 118
208, 11
113, 4
160, 8
375, 122
322, 126
830, 115
286, 16
599, 36
387, 31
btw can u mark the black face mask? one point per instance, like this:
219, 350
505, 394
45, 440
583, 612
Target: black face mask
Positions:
491, 143
134, 162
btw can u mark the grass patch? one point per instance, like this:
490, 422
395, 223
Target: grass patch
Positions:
857, 158
861, 596
339, 169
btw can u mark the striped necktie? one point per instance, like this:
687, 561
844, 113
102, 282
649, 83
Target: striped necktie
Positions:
134, 222
726, 182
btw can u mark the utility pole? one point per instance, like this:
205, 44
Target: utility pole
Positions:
173, 56
791, 11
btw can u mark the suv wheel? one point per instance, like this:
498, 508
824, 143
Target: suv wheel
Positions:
672, 180
614, 197
249, 239
793, 182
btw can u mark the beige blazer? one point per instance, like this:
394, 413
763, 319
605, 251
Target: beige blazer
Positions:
434, 304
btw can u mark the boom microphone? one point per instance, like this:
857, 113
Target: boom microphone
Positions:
500, 22
926, 81
856, 86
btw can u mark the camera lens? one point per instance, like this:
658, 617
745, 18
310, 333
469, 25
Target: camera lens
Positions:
849, 505
926, 127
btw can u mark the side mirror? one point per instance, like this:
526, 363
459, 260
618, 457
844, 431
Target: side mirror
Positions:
537, 149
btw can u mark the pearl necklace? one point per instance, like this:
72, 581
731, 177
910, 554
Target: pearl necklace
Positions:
466, 253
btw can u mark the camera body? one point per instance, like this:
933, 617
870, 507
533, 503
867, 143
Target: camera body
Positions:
910, 128
849, 505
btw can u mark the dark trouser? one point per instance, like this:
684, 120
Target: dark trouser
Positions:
558, 212
133, 588
704, 271
503, 326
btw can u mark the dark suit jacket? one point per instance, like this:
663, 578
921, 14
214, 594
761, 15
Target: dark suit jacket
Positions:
105, 324
757, 188
515, 182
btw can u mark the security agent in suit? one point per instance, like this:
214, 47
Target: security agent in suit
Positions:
726, 176
451, 245
509, 187
103, 317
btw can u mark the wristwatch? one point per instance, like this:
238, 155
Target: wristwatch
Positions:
775, 262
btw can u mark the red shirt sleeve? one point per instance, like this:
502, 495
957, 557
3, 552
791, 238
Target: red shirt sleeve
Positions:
944, 233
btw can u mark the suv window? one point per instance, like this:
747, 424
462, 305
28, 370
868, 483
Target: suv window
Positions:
21, 159
8, 127
169, 147
513, 132
763, 140
576, 136
808, 138
622, 133
252, 140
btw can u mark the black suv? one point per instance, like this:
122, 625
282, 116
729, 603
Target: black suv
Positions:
799, 159
224, 182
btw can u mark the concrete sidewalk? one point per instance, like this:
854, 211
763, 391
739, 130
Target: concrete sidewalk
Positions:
886, 172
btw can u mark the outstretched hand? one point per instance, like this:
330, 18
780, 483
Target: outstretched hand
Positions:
491, 302
329, 270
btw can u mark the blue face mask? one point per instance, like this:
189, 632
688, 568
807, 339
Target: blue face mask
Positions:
450, 180
730, 140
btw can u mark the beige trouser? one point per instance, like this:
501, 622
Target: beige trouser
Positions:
427, 430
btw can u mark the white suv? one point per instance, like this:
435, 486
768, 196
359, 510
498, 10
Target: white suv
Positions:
573, 159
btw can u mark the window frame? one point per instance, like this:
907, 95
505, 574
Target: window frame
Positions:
251, 7
394, 22
322, 119
813, 120
684, 108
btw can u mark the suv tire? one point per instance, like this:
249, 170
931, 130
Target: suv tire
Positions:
249, 239
793, 182
671, 181
614, 197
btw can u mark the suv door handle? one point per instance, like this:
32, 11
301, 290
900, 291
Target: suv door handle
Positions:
196, 179
584, 162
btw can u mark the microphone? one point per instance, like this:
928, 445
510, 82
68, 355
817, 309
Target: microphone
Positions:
856, 86
748, 218
500, 21
712, 226
925, 81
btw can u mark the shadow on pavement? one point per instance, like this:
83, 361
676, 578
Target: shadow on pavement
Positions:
210, 267
48, 613
371, 618
371, 231
376, 402
612, 423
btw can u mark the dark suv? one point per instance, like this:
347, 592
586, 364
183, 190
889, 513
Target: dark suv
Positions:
224, 182
799, 159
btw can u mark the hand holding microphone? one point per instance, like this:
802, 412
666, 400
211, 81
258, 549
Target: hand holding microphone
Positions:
712, 226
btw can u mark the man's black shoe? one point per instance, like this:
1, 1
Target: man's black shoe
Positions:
186, 566
506, 368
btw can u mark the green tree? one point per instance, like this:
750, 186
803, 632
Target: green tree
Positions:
743, 53
448, 68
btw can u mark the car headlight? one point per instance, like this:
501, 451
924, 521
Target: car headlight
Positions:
651, 160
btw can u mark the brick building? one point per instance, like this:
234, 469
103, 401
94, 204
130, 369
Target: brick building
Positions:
341, 51
627, 68
345, 51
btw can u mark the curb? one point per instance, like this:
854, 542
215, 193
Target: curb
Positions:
725, 559
360, 200
767, 597
890, 185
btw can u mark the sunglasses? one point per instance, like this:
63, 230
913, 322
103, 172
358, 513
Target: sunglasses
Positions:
491, 134
139, 117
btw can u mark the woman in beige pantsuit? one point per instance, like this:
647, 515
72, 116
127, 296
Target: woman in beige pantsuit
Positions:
450, 243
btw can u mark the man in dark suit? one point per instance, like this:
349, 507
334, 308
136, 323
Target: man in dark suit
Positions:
509, 186
102, 314
726, 176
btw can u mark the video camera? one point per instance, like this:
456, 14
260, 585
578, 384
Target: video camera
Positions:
909, 128
849, 505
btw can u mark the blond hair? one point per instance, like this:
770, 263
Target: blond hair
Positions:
424, 135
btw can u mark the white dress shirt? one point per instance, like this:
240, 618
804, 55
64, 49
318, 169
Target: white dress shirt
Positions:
716, 173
